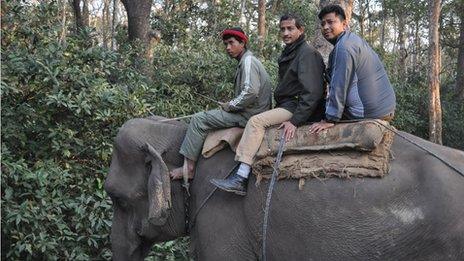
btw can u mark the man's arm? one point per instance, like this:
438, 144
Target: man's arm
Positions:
249, 85
310, 75
341, 79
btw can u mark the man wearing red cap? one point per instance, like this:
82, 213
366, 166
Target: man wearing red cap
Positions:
252, 96
298, 96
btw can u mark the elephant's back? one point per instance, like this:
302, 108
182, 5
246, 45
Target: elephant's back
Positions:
414, 212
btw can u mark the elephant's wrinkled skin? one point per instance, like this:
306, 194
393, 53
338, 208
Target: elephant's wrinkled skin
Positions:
416, 212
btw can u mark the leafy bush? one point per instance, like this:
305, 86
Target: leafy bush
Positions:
50, 214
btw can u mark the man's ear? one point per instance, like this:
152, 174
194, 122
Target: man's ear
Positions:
301, 29
345, 24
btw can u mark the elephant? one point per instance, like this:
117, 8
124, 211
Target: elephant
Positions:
415, 212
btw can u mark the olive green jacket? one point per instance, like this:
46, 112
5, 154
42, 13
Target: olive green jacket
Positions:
252, 85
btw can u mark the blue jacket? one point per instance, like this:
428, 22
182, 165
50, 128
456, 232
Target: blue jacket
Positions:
359, 87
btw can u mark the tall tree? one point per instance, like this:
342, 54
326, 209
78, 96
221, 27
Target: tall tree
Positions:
261, 23
114, 22
106, 23
383, 24
81, 14
435, 114
319, 42
460, 61
402, 16
138, 19
63, 22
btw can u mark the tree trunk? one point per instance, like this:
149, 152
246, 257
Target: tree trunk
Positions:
319, 42
114, 23
435, 117
361, 18
276, 5
63, 23
382, 30
106, 24
261, 23
402, 43
138, 19
81, 14
460, 62
417, 47
242, 13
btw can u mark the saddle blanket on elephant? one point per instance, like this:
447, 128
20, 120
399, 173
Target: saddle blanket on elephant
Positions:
362, 136
330, 163
360, 149
217, 140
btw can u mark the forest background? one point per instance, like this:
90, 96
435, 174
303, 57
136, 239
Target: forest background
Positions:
73, 71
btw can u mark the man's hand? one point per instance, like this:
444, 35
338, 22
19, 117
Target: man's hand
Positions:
320, 126
289, 130
224, 106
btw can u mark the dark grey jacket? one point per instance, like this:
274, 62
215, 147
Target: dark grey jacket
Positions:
359, 86
253, 88
301, 83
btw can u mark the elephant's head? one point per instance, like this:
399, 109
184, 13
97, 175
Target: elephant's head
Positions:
145, 210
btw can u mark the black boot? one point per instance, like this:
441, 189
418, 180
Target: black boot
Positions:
234, 183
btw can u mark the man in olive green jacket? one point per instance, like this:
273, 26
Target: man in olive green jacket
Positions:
252, 96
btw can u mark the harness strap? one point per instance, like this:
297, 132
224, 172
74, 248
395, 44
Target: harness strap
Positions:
203, 203
186, 183
275, 173
388, 127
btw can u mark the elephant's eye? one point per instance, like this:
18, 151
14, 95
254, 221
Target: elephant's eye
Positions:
119, 202
123, 203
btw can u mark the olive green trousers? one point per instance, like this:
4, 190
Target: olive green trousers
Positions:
204, 122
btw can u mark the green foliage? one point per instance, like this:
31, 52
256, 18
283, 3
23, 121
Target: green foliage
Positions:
411, 113
62, 104
46, 215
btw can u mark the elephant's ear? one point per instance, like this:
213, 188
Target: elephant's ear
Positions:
159, 188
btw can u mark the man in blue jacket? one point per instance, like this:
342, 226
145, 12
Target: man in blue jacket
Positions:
359, 87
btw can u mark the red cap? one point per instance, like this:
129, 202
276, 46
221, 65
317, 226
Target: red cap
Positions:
236, 33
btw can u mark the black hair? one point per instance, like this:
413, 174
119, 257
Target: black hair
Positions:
290, 16
338, 10
228, 36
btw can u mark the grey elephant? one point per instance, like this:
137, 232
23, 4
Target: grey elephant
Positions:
416, 212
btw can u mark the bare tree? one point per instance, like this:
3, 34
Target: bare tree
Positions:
106, 23
402, 41
460, 61
63, 22
138, 15
242, 13
114, 22
435, 114
384, 22
81, 14
416, 47
261, 23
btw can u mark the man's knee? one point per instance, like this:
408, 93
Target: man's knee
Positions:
256, 121
198, 119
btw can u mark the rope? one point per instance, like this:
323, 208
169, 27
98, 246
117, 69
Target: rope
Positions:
203, 203
421, 147
390, 128
178, 118
275, 173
